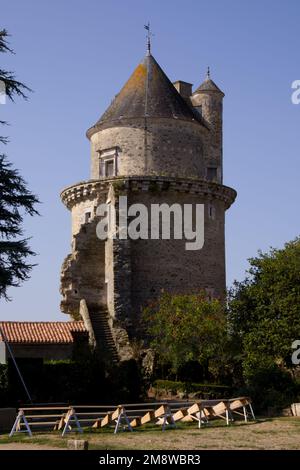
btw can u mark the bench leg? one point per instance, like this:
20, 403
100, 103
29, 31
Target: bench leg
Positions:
128, 423
119, 420
27, 426
227, 417
77, 424
165, 421
68, 426
199, 419
117, 424
245, 414
17, 423
13, 429
252, 412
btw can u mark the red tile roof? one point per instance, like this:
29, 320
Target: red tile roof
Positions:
41, 332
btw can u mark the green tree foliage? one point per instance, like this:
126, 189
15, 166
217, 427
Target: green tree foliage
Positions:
264, 309
15, 201
185, 328
12, 86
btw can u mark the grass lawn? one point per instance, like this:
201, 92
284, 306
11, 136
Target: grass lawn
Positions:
276, 433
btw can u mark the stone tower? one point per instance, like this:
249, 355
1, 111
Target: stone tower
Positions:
157, 143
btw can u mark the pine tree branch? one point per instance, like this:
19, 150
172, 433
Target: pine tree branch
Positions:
4, 43
15, 200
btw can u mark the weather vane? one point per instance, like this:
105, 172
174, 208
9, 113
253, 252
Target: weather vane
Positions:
149, 34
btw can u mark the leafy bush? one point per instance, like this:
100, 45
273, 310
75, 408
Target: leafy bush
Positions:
264, 309
184, 328
271, 387
204, 390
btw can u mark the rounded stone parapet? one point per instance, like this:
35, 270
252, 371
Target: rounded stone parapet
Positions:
91, 188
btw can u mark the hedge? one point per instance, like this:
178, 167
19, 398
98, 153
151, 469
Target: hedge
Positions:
70, 382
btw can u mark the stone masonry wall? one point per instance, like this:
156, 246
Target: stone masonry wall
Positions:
123, 275
173, 148
158, 265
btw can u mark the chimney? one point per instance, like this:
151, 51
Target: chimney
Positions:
183, 88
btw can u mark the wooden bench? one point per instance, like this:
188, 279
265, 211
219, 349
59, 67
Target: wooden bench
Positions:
244, 403
204, 410
132, 415
38, 417
129, 416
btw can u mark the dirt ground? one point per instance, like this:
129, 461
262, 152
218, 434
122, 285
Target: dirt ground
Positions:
277, 433
27, 446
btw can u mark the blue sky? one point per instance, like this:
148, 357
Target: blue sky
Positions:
76, 55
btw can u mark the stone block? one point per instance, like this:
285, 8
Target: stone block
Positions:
295, 409
78, 444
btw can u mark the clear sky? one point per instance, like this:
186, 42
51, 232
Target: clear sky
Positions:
76, 55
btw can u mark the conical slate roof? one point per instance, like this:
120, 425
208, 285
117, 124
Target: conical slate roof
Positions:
147, 93
208, 85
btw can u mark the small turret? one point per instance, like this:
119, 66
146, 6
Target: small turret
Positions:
207, 99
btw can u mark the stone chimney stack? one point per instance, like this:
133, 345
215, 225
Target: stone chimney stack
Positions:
183, 88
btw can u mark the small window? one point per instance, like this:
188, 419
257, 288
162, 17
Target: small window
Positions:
108, 162
87, 217
109, 168
211, 211
212, 173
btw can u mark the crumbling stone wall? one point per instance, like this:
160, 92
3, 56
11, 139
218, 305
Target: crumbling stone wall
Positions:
83, 271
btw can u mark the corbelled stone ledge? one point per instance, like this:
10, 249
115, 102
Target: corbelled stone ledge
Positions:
91, 188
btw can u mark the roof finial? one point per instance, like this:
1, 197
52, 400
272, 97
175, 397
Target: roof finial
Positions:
149, 34
208, 73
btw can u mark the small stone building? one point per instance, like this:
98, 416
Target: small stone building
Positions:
157, 143
41, 340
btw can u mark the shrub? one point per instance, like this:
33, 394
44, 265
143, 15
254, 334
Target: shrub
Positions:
202, 390
271, 387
